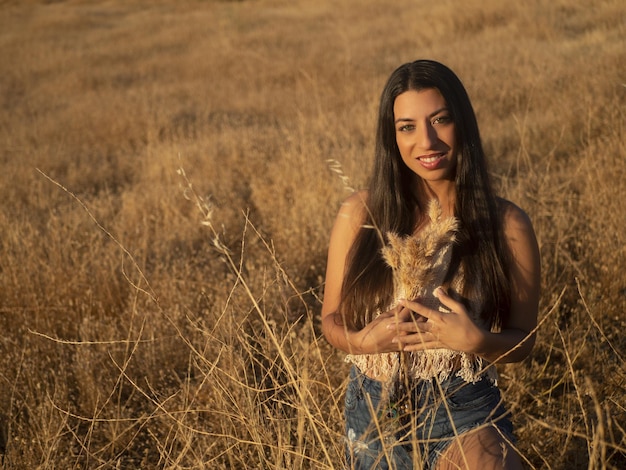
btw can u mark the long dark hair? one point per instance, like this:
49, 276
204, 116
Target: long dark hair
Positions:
393, 206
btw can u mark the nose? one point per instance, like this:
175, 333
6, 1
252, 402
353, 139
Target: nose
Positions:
426, 136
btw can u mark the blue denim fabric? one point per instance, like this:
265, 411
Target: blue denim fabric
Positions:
375, 440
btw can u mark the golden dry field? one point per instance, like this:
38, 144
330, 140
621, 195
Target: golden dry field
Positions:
170, 174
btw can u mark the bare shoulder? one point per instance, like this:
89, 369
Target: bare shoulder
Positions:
353, 210
514, 218
348, 222
355, 203
520, 236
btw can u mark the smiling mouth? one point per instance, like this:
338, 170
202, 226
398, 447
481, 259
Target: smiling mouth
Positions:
431, 158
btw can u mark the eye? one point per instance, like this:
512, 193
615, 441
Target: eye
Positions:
406, 128
444, 119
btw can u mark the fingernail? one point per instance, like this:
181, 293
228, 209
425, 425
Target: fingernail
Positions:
438, 291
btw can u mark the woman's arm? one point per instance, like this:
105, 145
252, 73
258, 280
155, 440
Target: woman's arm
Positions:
459, 332
375, 337
517, 337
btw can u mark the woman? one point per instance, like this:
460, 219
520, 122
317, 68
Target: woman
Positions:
430, 280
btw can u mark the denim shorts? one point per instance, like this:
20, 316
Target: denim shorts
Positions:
377, 437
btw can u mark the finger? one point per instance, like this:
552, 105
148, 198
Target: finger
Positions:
417, 308
406, 320
406, 327
415, 329
405, 314
448, 301
422, 331
389, 314
417, 341
395, 317
423, 345
426, 327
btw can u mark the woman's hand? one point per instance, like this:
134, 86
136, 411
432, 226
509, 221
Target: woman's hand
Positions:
433, 329
379, 335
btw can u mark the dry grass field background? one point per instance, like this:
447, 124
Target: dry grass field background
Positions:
170, 174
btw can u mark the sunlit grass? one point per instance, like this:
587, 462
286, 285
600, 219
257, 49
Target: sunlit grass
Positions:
171, 171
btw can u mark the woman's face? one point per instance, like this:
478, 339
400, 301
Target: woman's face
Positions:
425, 134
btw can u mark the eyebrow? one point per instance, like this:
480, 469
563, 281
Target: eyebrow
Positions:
431, 115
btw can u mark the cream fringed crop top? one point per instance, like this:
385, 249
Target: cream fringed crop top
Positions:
420, 264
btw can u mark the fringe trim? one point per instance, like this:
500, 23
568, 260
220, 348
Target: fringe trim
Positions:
424, 365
